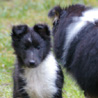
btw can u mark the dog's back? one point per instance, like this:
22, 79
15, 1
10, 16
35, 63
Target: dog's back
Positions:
76, 45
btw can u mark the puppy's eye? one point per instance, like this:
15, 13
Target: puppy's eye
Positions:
26, 47
38, 47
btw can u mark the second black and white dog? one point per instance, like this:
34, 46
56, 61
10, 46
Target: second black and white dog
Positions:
36, 72
75, 30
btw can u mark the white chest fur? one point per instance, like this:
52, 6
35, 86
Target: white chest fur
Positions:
41, 80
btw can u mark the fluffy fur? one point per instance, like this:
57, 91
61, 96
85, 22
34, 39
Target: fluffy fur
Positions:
76, 46
36, 73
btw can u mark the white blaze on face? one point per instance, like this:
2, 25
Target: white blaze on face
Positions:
30, 40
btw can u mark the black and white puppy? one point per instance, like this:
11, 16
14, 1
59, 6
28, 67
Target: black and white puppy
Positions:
36, 72
75, 31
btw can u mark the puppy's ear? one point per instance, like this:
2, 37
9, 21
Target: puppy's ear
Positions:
54, 13
19, 30
43, 30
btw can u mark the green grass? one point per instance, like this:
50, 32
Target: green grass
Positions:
29, 12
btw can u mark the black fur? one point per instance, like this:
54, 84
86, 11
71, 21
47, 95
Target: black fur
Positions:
55, 12
29, 40
59, 83
64, 20
82, 56
25, 41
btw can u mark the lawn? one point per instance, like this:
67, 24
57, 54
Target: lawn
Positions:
13, 12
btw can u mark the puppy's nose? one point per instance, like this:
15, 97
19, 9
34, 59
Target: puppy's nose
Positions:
32, 62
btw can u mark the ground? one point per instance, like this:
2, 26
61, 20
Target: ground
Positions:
13, 12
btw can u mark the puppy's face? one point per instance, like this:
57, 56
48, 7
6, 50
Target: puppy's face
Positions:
31, 45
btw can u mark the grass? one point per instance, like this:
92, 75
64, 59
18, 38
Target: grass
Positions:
29, 12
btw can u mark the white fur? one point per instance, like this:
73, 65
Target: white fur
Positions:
76, 26
90, 15
41, 80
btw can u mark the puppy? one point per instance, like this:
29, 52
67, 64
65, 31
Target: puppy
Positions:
75, 34
36, 72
